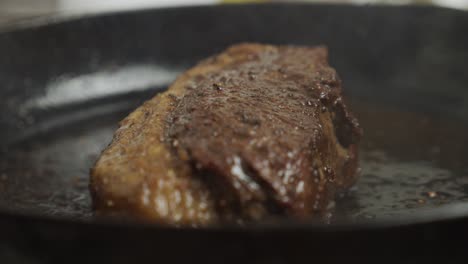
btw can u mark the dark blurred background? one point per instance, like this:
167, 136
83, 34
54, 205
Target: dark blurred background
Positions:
13, 11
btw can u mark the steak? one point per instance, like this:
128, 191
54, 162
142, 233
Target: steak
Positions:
254, 132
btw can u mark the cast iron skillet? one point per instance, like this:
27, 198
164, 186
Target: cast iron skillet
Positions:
64, 85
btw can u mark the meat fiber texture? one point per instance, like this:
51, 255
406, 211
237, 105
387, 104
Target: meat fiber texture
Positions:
255, 132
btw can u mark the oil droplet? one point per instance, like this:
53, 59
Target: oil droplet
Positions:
337, 101
177, 197
315, 173
238, 171
161, 206
367, 216
300, 187
188, 200
217, 86
323, 95
177, 217
145, 195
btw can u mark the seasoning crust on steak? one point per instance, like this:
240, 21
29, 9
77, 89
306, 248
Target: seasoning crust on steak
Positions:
254, 132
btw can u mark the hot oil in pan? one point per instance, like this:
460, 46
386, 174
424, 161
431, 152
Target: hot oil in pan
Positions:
409, 161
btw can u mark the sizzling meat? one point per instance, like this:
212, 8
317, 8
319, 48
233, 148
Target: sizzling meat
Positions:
255, 131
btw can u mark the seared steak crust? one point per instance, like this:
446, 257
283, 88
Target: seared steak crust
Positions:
255, 131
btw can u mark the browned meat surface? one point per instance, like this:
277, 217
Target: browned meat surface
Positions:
253, 132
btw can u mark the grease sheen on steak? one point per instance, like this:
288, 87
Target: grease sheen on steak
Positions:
258, 130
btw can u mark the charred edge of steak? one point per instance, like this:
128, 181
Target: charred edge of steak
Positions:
229, 206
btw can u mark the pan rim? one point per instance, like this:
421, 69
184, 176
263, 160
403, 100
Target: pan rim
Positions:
56, 18
445, 213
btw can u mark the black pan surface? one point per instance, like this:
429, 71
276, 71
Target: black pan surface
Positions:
65, 84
